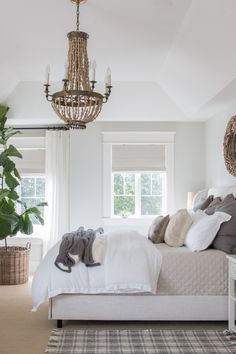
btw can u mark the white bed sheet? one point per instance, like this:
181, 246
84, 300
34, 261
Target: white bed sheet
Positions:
131, 264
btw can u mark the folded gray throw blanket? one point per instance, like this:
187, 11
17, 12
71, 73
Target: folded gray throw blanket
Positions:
77, 243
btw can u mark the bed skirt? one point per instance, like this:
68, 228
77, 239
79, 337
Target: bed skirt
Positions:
138, 308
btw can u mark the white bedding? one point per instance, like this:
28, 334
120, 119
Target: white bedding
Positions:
131, 265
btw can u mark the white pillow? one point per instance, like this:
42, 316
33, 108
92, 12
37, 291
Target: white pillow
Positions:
204, 229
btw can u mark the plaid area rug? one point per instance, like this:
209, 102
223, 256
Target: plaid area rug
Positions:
142, 341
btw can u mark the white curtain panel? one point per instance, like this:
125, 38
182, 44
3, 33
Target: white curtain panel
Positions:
57, 215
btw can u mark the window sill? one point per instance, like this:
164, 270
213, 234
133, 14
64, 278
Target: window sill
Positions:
36, 238
21, 240
113, 221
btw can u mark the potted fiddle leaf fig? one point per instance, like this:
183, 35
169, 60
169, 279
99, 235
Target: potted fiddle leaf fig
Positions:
14, 261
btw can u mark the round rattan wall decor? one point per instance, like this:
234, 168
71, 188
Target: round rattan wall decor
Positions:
230, 146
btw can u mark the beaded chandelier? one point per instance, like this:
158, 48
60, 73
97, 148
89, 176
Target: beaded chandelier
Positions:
78, 104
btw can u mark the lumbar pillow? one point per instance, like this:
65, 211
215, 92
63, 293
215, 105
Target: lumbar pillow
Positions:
157, 229
204, 229
217, 202
204, 203
177, 228
226, 237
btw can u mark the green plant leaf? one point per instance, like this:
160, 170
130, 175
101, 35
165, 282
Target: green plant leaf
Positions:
16, 173
27, 227
35, 212
18, 227
42, 204
8, 165
7, 206
3, 111
3, 116
9, 132
22, 203
3, 158
11, 181
39, 218
13, 195
12, 151
8, 223
3, 193
3, 122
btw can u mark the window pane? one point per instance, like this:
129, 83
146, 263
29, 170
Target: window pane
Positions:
145, 183
28, 187
40, 187
118, 184
151, 205
130, 184
157, 184
124, 206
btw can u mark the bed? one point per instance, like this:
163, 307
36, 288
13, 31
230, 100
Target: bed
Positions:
191, 286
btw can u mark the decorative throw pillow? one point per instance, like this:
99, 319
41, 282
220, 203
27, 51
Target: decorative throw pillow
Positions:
204, 203
229, 198
204, 229
212, 206
157, 229
177, 228
217, 202
226, 237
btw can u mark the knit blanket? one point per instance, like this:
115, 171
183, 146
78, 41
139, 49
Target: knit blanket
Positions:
77, 246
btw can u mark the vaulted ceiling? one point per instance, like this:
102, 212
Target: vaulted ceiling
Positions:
171, 59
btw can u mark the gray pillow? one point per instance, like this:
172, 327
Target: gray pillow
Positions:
211, 208
229, 198
204, 203
217, 202
157, 229
226, 237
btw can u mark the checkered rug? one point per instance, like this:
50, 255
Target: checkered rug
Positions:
142, 341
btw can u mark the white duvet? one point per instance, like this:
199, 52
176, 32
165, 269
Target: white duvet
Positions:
131, 264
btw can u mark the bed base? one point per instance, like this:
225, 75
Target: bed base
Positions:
138, 308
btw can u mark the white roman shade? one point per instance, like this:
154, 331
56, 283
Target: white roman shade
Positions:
33, 152
142, 157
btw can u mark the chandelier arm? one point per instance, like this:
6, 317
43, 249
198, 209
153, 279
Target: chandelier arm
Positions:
107, 94
47, 93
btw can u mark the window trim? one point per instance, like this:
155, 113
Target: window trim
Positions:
142, 138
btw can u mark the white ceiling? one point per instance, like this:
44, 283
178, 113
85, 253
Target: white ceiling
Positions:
171, 59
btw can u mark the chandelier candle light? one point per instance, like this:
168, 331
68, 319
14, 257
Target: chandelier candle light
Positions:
78, 104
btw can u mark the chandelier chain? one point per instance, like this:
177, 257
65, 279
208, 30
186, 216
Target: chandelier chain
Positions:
78, 13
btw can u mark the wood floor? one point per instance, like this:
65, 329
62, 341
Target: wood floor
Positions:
26, 332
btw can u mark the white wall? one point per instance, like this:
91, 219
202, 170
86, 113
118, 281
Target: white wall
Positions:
86, 166
189, 161
216, 172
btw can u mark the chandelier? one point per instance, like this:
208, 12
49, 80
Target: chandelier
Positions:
78, 104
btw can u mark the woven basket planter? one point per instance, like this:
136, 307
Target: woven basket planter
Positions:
14, 265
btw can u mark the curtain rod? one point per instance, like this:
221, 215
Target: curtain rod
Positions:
42, 128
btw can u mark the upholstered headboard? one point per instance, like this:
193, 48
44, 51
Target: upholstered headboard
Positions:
216, 191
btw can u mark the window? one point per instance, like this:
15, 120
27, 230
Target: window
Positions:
139, 194
32, 192
138, 175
